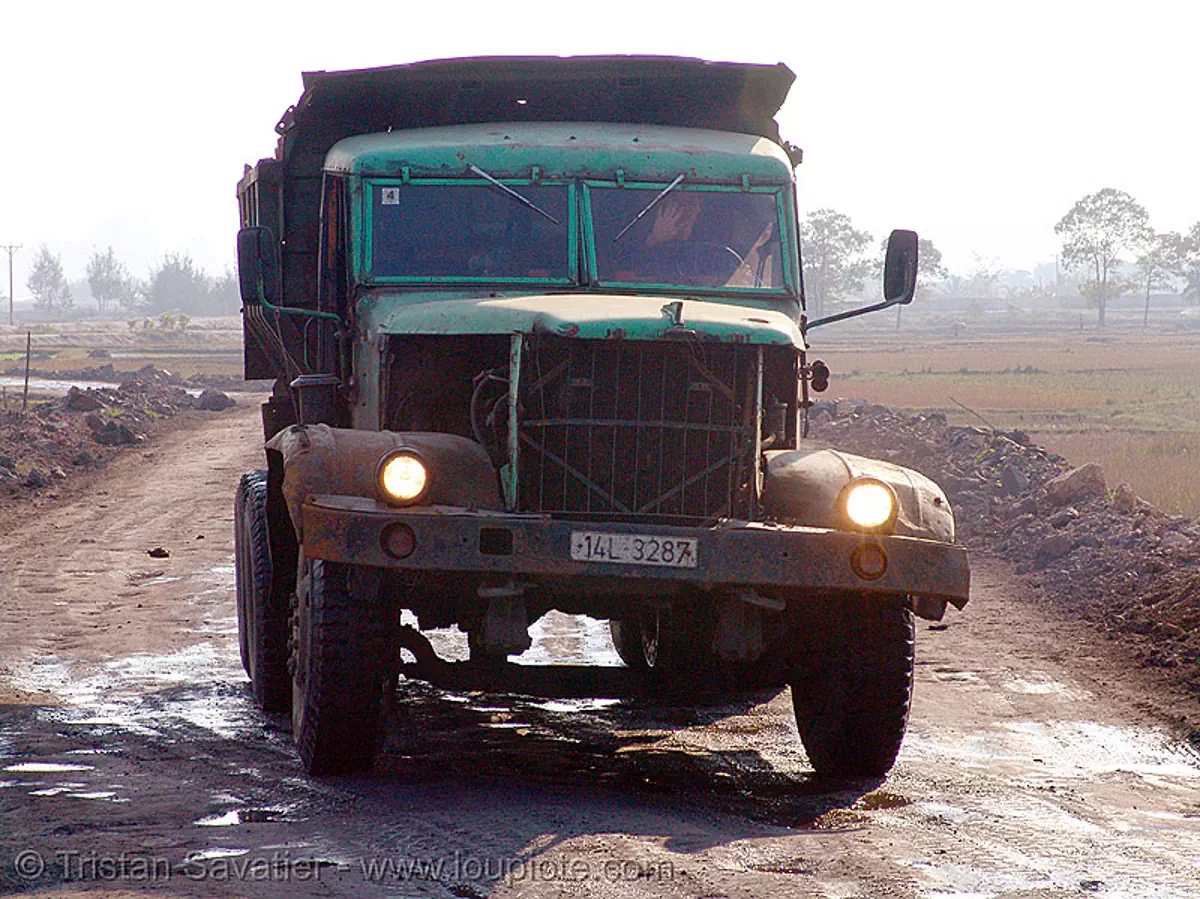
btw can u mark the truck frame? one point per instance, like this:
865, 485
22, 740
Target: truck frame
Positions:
536, 328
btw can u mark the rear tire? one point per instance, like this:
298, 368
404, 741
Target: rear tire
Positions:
340, 668
627, 641
665, 642
852, 686
262, 613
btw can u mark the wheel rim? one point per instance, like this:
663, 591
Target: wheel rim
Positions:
301, 626
242, 576
300, 650
649, 630
250, 597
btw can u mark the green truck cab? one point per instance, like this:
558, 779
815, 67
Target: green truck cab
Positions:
538, 338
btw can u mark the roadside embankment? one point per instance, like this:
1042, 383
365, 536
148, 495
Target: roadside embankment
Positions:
1095, 550
148, 374
54, 439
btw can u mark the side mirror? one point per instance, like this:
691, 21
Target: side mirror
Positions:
258, 266
900, 268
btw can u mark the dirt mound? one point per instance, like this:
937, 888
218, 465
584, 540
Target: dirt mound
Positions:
44, 445
1094, 550
149, 374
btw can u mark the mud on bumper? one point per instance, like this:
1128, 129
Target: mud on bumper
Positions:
753, 555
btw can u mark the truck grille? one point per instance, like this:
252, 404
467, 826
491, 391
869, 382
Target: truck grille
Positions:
621, 430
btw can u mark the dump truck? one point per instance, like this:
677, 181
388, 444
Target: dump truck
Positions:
538, 339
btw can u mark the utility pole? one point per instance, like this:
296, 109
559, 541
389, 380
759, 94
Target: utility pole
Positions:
12, 250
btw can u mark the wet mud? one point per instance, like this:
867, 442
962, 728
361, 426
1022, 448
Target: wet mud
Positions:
133, 759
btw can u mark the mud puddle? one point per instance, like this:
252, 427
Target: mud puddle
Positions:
140, 696
1070, 806
45, 768
54, 385
1063, 749
202, 686
199, 694
61, 386
560, 639
234, 817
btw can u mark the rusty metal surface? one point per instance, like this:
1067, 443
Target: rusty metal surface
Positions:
803, 485
321, 459
789, 559
584, 316
638, 430
588, 150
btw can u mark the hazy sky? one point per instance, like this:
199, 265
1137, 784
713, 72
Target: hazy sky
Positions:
128, 123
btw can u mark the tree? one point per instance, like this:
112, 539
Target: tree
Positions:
225, 295
1095, 232
1160, 263
834, 264
110, 282
930, 269
985, 278
48, 284
1189, 264
978, 287
177, 283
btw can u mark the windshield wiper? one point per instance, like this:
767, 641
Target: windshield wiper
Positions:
524, 201
637, 218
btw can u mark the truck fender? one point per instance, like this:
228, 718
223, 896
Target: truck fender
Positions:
802, 488
318, 459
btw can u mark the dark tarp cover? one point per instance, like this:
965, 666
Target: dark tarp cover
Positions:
654, 90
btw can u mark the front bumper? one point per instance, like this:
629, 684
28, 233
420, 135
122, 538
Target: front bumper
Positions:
733, 554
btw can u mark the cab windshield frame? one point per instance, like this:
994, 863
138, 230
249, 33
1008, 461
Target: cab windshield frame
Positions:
582, 268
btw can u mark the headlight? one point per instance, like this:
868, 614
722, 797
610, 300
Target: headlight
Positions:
402, 477
869, 504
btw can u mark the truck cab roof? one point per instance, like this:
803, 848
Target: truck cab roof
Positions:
564, 149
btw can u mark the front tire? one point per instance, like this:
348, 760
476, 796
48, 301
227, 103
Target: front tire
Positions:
852, 686
340, 668
262, 613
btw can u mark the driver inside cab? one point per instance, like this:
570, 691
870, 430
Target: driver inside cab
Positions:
689, 241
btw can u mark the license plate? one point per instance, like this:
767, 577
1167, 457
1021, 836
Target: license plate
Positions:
634, 549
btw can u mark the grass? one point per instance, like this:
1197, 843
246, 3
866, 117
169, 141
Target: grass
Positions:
1129, 401
1161, 468
1138, 400
208, 346
184, 362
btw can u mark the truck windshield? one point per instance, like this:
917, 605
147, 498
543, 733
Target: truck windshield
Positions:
690, 238
470, 231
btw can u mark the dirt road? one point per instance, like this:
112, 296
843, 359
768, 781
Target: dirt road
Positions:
132, 760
